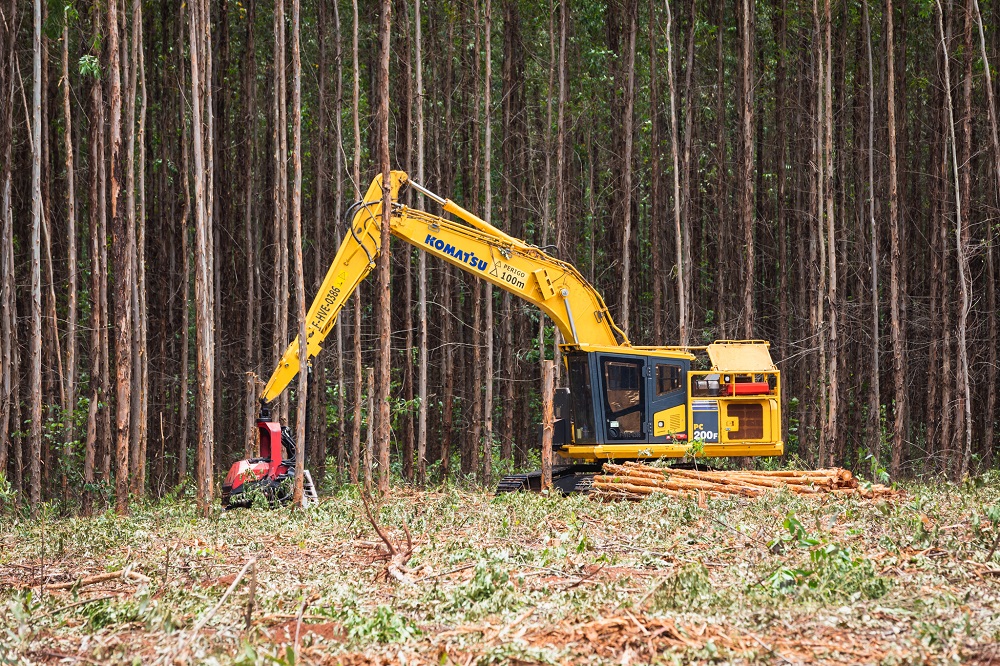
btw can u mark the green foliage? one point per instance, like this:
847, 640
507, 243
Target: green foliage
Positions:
831, 572
90, 67
383, 625
689, 589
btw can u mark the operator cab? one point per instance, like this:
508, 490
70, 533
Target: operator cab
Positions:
635, 398
650, 403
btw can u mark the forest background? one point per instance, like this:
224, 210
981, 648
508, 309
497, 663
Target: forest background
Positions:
823, 175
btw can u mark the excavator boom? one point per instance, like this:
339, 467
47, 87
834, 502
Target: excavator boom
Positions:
477, 247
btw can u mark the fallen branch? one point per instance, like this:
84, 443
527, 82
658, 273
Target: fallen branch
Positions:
397, 558
98, 578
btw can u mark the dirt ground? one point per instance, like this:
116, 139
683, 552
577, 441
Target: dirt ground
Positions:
516, 579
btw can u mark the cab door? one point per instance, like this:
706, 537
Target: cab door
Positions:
623, 398
667, 382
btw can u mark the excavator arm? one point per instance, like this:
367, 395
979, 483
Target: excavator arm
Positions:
554, 286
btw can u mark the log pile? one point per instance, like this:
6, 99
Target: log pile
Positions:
635, 481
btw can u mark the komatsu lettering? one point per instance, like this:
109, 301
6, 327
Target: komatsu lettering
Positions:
469, 258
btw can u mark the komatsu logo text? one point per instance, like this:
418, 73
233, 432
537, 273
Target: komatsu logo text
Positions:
469, 258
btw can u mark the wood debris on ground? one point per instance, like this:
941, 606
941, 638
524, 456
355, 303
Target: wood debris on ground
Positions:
636, 481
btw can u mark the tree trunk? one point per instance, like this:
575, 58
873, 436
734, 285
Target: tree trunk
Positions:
421, 270
487, 467
895, 295
874, 399
302, 392
317, 388
182, 444
408, 252
961, 247
70, 373
205, 339
991, 373
97, 316
250, 241
656, 235
547, 184
688, 171
123, 274
383, 303
338, 208
356, 434
281, 205
548, 372
8, 302
721, 166
747, 151
626, 192
142, 318
679, 258
37, 215
784, 260
831, 293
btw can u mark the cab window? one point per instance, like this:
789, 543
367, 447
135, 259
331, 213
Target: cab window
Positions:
668, 379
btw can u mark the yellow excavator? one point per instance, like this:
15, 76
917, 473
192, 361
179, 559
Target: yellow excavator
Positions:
622, 402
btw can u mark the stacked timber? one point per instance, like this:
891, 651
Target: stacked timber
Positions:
635, 481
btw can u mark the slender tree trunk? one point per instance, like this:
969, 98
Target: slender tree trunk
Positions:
447, 287
408, 252
205, 339
422, 269
747, 214
474, 389
626, 193
106, 433
831, 293
356, 177
281, 211
8, 303
688, 171
961, 250
895, 276
130, 61
317, 389
97, 317
487, 471
302, 393
656, 232
547, 185
142, 318
874, 399
383, 303
991, 310
784, 260
250, 240
560, 219
338, 209
682, 306
182, 444
722, 228
123, 274
70, 373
